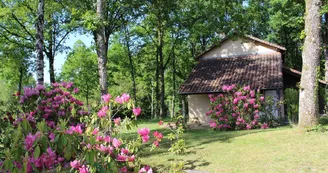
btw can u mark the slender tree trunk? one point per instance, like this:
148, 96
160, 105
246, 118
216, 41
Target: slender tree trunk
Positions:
51, 50
161, 74
134, 89
309, 105
20, 80
39, 43
174, 80
325, 43
101, 47
157, 93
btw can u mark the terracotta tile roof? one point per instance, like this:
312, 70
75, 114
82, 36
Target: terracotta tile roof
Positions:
263, 71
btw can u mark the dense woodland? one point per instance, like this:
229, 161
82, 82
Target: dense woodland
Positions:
145, 48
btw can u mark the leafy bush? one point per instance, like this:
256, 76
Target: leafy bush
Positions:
291, 102
52, 131
238, 108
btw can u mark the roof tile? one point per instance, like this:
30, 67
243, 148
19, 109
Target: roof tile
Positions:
263, 71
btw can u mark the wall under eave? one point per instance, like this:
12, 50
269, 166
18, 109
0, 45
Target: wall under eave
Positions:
230, 48
198, 106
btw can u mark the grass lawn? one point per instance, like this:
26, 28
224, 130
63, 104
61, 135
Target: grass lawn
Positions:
283, 149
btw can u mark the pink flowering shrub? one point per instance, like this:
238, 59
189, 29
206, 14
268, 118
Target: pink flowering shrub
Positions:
237, 108
53, 131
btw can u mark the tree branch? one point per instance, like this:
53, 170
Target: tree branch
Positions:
16, 19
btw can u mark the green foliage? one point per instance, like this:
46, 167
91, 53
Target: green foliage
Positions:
291, 96
81, 68
176, 167
178, 145
317, 128
271, 108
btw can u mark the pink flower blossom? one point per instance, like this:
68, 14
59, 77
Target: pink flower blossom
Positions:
76, 129
136, 111
264, 126
99, 138
69, 85
29, 140
251, 101
256, 116
102, 112
213, 124
84, 169
248, 126
143, 131
235, 101
52, 137
117, 121
224, 87
256, 106
123, 99
262, 98
40, 87
125, 151
145, 138
107, 139
123, 170
131, 158
245, 106
246, 88
156, 143
121, 158
75, 164
146, 169
95, 131
106, 98
76, 90
252, 93
238, 93
116, 143
160, 123
158, 135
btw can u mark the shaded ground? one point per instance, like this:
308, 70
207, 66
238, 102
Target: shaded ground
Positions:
273, 150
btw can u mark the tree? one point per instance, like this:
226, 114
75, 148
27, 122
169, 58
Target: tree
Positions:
81, 68
17, 26
39, 42
308, 102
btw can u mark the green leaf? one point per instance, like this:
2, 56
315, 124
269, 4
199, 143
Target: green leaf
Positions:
64, 139
8, 165
68, 152
37, 152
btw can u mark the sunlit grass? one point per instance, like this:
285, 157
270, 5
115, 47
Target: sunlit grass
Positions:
283, 149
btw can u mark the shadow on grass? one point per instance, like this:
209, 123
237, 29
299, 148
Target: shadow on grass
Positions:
194, 140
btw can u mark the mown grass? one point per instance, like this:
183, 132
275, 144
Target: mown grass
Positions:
282, 149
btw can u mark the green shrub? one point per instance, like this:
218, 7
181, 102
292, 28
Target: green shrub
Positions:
291, 102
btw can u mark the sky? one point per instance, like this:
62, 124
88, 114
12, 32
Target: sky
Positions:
61, 57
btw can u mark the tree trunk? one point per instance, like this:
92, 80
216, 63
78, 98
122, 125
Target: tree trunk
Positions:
161, 74
174, 78
157, 93
325, 43
308, 101
51, 68
134, 90
101, 47
20, 80
39, 43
